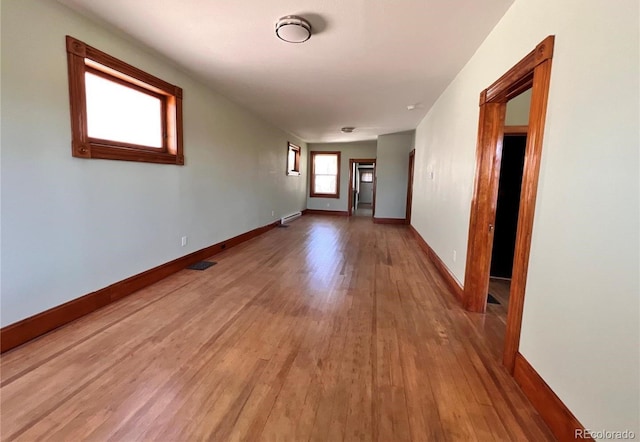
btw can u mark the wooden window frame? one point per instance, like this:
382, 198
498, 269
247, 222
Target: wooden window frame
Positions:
296, 167
82, 58
313, 194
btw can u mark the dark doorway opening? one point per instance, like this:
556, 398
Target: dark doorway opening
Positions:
508, 204
514, 146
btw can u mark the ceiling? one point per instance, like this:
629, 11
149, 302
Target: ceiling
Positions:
365, 63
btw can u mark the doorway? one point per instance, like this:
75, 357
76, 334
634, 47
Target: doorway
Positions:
514, 143
362, 187
532, 72
506, 222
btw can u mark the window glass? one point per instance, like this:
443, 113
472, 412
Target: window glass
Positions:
120, 113
292, 160
326, 164
325, 184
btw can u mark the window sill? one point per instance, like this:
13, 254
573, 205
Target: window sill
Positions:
324, 195
98, 151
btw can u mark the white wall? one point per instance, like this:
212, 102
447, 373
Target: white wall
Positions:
358, 149
71, 226
580, 327
392, 170
1, 119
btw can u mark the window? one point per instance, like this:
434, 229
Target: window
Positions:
293, 159
119, 112
325, 174
366, 177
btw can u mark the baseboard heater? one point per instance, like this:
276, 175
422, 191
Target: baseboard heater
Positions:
291, 217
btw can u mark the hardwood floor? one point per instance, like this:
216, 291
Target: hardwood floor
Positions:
333, 329
364, 209
499, 288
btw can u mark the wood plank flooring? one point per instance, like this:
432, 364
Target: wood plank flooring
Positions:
364, 209
499, 288
332, 329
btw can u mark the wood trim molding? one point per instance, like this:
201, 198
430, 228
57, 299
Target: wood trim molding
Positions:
530, 176
518, 79
82, 58
562, 423
363, 160
325, 212
483, 206
444, 271
483, 97
533, 71
350, 189
389, 221
410, 174
30, 328
516, 130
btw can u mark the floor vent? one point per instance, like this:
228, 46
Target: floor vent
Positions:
202, 265
492, 300
282, 226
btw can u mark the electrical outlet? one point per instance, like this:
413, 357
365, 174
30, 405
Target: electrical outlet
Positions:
328, 204
184, 241
273, 213
455, 255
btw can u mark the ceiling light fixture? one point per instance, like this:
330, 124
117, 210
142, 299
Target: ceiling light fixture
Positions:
293, 29
415, 106
347, 129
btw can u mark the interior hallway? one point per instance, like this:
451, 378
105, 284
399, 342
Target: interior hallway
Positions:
331, 329
364, 209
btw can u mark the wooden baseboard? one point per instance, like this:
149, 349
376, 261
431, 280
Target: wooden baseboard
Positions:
23, 331
554, 412
389, 221
446, 274
325, 212
562, 423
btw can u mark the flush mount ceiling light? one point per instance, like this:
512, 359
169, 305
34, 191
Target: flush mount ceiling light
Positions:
347, 129
293, 29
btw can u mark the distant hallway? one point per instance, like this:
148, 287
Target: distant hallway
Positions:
328, 330
364, 209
